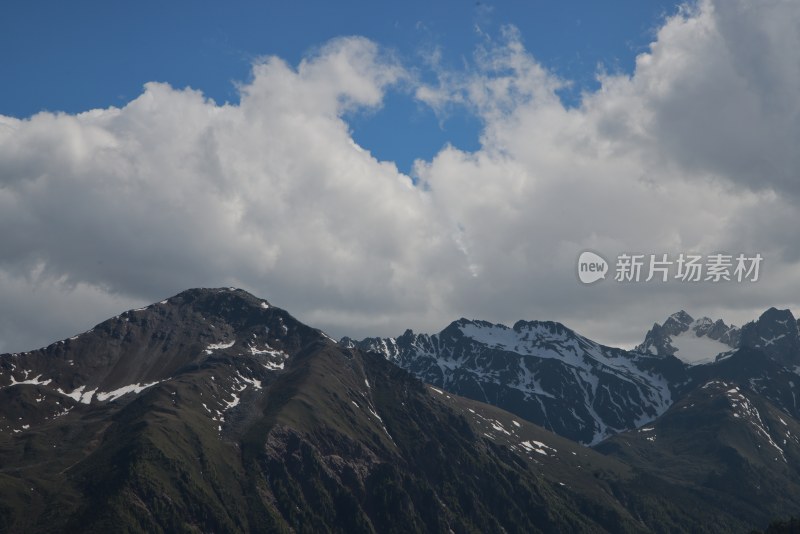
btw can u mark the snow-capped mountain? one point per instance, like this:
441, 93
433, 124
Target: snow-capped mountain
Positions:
542, 371
691, 341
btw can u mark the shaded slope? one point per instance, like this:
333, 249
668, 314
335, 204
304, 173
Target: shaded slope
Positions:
725, 444
204, 355
252, 422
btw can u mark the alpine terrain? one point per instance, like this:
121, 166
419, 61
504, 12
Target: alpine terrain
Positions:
215, 411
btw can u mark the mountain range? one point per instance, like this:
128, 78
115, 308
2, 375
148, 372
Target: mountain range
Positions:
543, 372
215, 411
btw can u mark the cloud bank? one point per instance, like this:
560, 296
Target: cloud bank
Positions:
695, 151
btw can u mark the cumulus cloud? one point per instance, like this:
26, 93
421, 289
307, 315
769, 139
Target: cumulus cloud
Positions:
174, 191
667, 160
692, 152
717, 93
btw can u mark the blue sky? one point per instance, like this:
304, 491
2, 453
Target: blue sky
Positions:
76, 56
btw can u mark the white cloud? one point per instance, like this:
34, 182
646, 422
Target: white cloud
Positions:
690, 153
174, 191
694, 151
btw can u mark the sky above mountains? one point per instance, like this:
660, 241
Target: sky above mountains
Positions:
379, 166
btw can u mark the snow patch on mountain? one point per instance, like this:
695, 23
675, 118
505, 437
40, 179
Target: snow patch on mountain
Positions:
219, 346
691, 349
79, 395
493, 336
124, 390
35, 381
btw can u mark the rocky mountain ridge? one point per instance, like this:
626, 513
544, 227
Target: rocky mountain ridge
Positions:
542, 371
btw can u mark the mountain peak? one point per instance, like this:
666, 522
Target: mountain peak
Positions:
681, 317
154, 343
692, 341
775, 333
215, 296
775, 315
678, 322
463, 321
